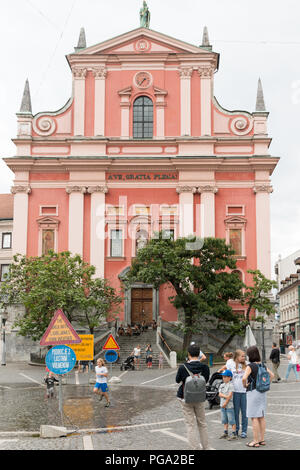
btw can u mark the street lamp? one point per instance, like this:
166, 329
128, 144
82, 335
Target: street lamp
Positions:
4, 317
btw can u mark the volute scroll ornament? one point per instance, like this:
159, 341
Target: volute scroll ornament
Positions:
20, 189
44, 126
241, 125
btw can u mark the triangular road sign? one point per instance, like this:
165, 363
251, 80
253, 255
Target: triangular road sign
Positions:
111, 343
60, 331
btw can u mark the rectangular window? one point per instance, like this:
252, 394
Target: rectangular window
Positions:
6, 240
48, 241
168, 234
116, 243
4, 272
235, 210
235, 240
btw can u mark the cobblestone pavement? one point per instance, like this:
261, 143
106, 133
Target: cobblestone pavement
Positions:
145, 413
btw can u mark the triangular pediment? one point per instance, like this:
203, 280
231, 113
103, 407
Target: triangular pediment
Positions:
142, 40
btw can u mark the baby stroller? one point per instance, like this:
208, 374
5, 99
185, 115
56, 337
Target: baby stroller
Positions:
128, 363
212, 389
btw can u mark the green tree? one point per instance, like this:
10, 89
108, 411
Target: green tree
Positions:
200, 274
56, 281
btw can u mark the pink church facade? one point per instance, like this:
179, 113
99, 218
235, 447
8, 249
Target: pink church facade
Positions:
142, 145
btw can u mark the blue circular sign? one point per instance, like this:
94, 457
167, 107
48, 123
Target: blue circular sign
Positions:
60, 359
111, 356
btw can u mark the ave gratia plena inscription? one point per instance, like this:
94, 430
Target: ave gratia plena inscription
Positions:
141, 176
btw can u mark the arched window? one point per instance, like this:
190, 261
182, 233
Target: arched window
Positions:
143, 118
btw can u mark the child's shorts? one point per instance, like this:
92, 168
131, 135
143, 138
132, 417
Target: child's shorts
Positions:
228, 416
103, 387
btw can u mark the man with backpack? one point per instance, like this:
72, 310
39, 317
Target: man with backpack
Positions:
193, 377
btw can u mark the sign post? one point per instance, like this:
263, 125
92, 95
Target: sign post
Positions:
111, 347
60, 359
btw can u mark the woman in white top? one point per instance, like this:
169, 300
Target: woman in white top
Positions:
238, 367
137, 355
292, 356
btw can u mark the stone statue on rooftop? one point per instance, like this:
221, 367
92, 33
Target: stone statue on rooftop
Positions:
144, 16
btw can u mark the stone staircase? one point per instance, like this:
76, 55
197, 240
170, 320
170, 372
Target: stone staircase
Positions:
128, 343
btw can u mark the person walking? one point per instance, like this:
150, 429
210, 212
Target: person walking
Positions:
275, 359
193, 410
49, 381
292, 365
239, 393
101, 387
256, 401
137, 356
226, 390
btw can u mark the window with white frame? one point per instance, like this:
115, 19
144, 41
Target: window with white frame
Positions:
6, 240
4, 272
116, 243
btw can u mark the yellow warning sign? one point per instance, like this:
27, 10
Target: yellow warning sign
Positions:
85, 350
60, 331
111, 343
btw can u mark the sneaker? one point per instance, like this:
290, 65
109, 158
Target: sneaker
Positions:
107, 405
243, 435
224, 436
233, 437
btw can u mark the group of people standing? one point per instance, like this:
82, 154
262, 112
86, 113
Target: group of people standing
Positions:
137, 351
239, 399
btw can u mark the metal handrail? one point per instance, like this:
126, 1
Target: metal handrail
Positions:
164, 342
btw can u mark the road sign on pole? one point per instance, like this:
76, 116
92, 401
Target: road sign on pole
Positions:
59, 332
60, 359
111, 344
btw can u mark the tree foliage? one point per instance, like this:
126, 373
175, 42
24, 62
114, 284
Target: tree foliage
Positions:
56, 281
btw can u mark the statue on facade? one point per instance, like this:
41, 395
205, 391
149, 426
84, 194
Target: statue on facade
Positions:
145, 16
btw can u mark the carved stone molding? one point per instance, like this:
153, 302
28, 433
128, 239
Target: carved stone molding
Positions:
97, 189
79, 72
263, 188
20, 189
208, 188
205, 71
99, 72
185, 72
76, 189
186, 189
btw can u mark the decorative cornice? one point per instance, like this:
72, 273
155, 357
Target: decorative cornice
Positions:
97, 189
207, 188
20, 189
76, 189
263, 188
186, 189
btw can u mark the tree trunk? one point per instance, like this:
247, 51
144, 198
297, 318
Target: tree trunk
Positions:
224, 345
187, 340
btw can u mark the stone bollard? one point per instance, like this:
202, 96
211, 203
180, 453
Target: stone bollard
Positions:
173, 359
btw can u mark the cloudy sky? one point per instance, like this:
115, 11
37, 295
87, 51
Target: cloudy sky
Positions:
255, 39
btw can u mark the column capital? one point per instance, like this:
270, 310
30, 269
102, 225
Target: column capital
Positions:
20, 189
186, 189
208, 188
205, 71
100, 72
76, 189
97, 189
79, 72
185, 72
263, 188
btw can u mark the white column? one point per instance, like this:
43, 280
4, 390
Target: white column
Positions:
263, 229
79, 75
97, 251
19, 238
76, 209
205, 72
186, 210
100, 74
185, 100
207, 208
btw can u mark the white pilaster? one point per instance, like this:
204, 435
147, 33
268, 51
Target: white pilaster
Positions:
19, 238
205, 72
125, 96
76, 209
263, 229
207, 208
100, 74
185, 100
79, 75
186, 210
97, 251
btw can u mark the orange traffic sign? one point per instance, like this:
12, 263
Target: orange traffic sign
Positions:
60, 331
111, 343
